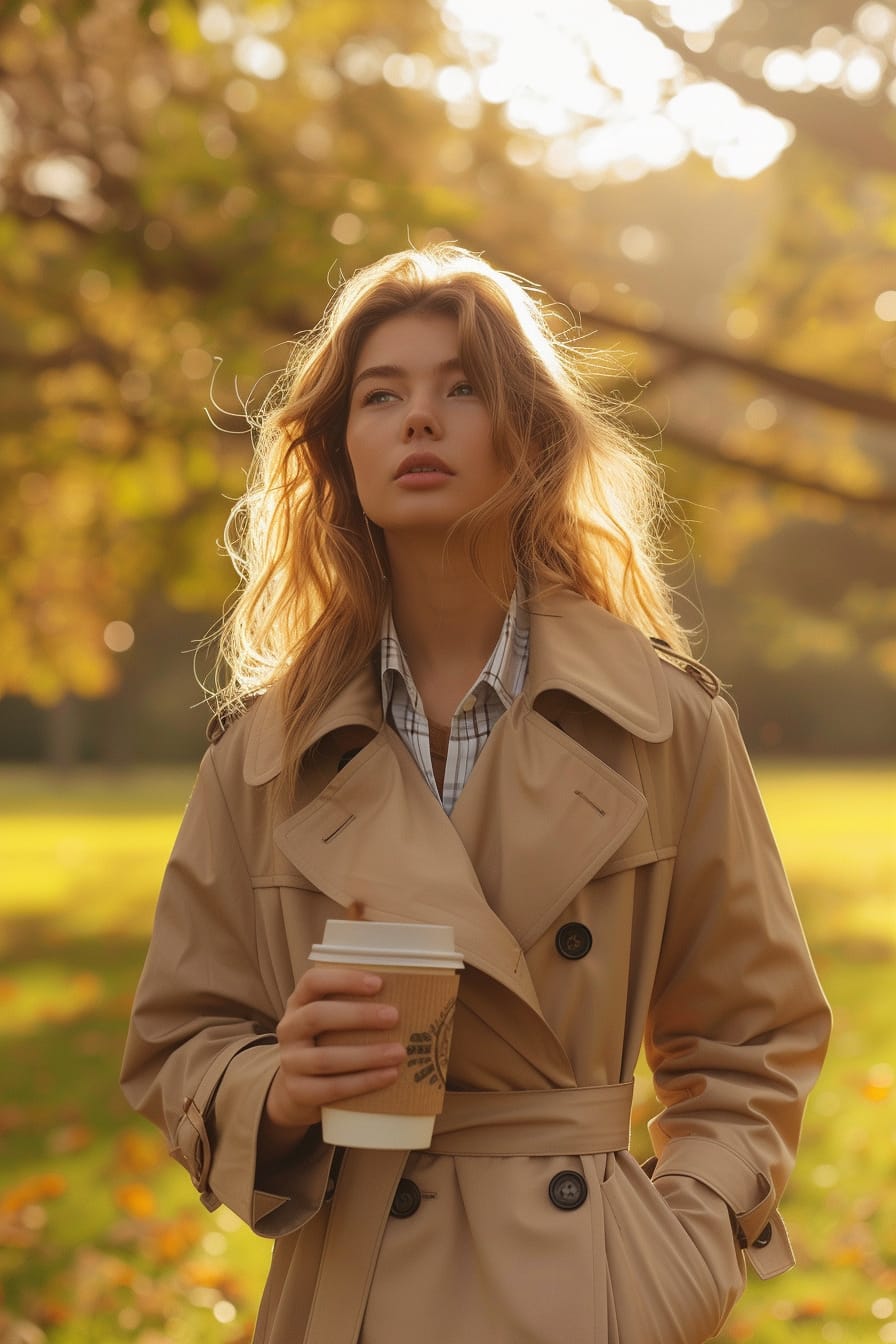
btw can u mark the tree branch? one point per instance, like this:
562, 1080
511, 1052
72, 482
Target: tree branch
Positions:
869, 405
696, 445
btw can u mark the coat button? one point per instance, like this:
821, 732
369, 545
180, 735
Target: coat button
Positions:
573, 941
406, 1201
764, 1237
568, 1190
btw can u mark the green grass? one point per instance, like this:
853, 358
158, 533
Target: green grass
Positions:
101, 1237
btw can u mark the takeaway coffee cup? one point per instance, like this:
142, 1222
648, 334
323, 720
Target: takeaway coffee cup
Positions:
419, 968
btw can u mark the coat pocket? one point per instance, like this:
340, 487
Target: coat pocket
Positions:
662, 1290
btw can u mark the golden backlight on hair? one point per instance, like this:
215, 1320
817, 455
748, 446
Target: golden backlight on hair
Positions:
585, 504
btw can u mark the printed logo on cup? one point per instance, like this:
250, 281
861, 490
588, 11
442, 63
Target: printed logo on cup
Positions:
428, 1050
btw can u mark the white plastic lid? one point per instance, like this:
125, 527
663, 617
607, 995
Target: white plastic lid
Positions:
369, 943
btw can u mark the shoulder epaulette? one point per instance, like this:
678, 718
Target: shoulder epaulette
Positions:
711, 684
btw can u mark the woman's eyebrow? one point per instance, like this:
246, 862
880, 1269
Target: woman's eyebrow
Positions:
396, 371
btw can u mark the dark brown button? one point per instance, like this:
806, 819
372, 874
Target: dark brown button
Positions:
568, 1190
573, 941
406, 1201
764, 1237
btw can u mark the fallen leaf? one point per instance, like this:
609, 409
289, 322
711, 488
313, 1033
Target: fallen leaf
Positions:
139, 1151
171, 1240
49, 1185
136, 1199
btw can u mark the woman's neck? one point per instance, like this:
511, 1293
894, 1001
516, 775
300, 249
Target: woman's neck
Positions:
448, 619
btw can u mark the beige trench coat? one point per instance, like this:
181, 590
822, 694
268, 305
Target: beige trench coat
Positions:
615, 797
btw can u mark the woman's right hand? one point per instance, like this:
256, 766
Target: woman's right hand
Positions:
313, 1075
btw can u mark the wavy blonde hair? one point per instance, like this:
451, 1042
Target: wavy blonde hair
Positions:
585, 506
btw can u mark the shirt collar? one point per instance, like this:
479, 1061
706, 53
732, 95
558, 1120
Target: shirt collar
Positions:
504, 671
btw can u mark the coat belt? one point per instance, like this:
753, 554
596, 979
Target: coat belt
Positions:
559, 1122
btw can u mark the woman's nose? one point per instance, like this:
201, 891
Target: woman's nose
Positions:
420, 423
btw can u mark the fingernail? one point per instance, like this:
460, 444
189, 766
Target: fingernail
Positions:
372, 982
387, 1014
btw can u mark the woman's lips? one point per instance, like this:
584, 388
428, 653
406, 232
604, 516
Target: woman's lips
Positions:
422, 466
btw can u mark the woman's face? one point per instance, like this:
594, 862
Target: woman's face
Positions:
419, 434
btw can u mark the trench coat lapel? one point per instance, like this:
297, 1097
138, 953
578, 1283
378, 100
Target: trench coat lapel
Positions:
540, 815
538, 818
378, 835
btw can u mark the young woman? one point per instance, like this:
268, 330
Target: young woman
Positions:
458, 695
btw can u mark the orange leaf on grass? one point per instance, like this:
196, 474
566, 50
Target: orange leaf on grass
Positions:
137, 1151
810, 1309
212, 1274
136, 1199
171, 1240
48, 1185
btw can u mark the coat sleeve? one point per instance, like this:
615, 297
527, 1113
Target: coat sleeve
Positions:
201, 1051
738, 1025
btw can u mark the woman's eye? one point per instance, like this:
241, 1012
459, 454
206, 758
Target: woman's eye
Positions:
378, 397
463, 390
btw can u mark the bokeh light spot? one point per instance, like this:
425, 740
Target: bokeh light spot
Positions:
94, 286
118, 636
241, 95
784, 69
761, 414
260, 57
863, 74
875, 22
741, 323
220, 141
639, 243
347, 228
824, 65
314, 140
196, 363
216, 23
885, 305
453, 84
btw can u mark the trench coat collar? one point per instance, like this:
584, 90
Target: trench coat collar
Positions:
575, 647
581, 649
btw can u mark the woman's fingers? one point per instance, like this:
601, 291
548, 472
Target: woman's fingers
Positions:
323, 1061
323, 981
314, 1069
296, 1096
308, 1024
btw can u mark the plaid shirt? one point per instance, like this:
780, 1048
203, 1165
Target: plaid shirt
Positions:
494, 690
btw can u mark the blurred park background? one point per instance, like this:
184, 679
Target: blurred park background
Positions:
708, 188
